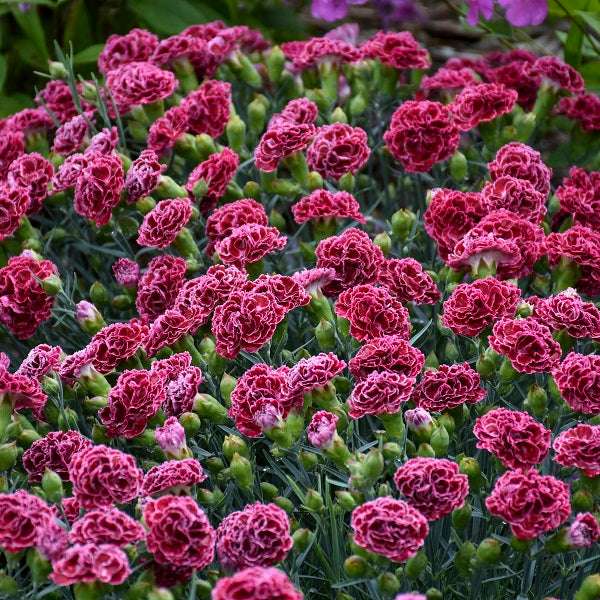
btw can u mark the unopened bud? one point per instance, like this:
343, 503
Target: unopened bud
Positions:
489, 551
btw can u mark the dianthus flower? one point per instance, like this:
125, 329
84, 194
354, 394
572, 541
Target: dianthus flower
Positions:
451, 215
32, 121
584, 531
24, 304
516, 438
584, 108
579, 195
179, 532
390, 528
397, 49
139, 83
314, 280
58, 99
126, 272
528, 344
54, 451
116, 343
21, 391
208, 108
558, 74
391, 353
68, 173
353, 257
529, 502
163, 223
143, 176
281, 141
518, 76
421, 134
287, 292
104, 142
217, 171
405, 279
111, 526
71, 135
579, 447
316, 371
12, 145
338, 149
248, 244
321, 430
224, 220
98, 188
103, 476
446, 80
33, 173
182, 381
448, 387
256, 583
135, 46
22, 515
170, 436
472, 307
176, 50
40, 361
578, 379
482, 102
14, 201
521, 161
261, 392
159, 286
432, 485
257, 536
379, 393
316, 51
300, 111
568, 311
373, 312
323, 204
85, 563
174, 476
166, 130
134, 400
517, 196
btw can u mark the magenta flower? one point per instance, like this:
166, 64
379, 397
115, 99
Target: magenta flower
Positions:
486, 7
525, 12
332, 10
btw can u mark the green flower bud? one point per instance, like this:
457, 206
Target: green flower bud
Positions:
309, 460
489, 551
233, 444
241, 471
236, 133
52, 486
485, 367
470, 467
98, 294
214, 464
145, 204
426, 451
257, 114
464, 559
57, 70
433, 594
458, 166
447, 420
345, 500
582, 501
440, 440
391, 451
252, 190
314, 181
325, 334
388, 583
338, 116
372, 465
538, 400
284, 503
191, 423
268, 490
8, 456
358, 105
461, 516
416, 564
122, 302
313, 501
27, 437
275, 63
302, 539
68, 420
208, 407
432, 362
276, 219
394, 424
168, 188
590, 588
227, 386
403, 222
356, 566
8, 585
384, 241
160, 594
347, 182
520, 545
146, 439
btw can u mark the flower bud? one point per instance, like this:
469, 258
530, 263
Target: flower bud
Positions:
338, 115
394, 424
356, 566
391, 451
89, 317
440, 440
345, 500
590, 588
214, 464
325, 335
251, 190
8, 585
458, 166
347, 182
470, 467
519, 545
302, 539
8, 456
57, 70
275, 63
538, 400
191, 423
233, 444
52, 284
269, 491
160, 594
145, 204
208, 407
241, 471
372, 465
313, 501
236, 132
309, 460
388, 583
68, 420
461, 516
27, 437
384, 241
403, 222
314, 181
257, 114
420, 422
582, 501
284, 503
426, 451
52, 486
416, 564
433, 594
227, 386
489, 551
358, 105
464, 559
98, 294
171, 439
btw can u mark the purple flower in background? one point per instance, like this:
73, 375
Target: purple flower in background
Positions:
332, 10
348, 32
525, 12
486, 7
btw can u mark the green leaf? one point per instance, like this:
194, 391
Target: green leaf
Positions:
88, 55
31, 26
3, 69
591, 74
573, 45
77, 28
172, 16
563, 8
592, 20
12, 104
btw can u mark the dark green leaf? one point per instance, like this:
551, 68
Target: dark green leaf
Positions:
88, 55
573, 44
31, 26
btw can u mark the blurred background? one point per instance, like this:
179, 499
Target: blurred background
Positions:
28, 31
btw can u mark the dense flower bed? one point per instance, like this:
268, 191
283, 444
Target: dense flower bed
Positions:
299, 322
